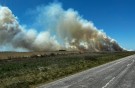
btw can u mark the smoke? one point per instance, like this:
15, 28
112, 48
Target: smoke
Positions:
60, 29
14, 36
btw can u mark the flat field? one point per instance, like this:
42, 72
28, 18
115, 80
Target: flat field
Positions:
27, 70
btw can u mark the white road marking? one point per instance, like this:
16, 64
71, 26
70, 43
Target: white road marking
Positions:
131, 63
128, 65
108, 82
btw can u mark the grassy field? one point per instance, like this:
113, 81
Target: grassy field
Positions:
31, 71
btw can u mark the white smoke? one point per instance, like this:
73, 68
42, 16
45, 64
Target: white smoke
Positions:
62, 29
15, 36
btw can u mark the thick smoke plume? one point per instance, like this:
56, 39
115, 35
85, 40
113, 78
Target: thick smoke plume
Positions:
61, 29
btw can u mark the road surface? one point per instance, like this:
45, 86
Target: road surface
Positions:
116, 74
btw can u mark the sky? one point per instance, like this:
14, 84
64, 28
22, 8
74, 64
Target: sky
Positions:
115, 17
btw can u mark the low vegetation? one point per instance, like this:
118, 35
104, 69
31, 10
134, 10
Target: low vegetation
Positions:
35, 70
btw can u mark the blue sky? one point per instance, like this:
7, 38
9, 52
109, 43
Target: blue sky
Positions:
115, 17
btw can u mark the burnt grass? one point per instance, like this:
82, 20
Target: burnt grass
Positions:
31, 71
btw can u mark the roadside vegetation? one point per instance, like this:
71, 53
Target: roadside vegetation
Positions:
32, 71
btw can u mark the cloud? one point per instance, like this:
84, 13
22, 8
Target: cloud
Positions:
61, 29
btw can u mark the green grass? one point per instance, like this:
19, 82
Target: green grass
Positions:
31, 72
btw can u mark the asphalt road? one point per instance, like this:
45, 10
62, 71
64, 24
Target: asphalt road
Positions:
116, 74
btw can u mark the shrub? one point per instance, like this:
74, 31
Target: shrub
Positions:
18, 85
